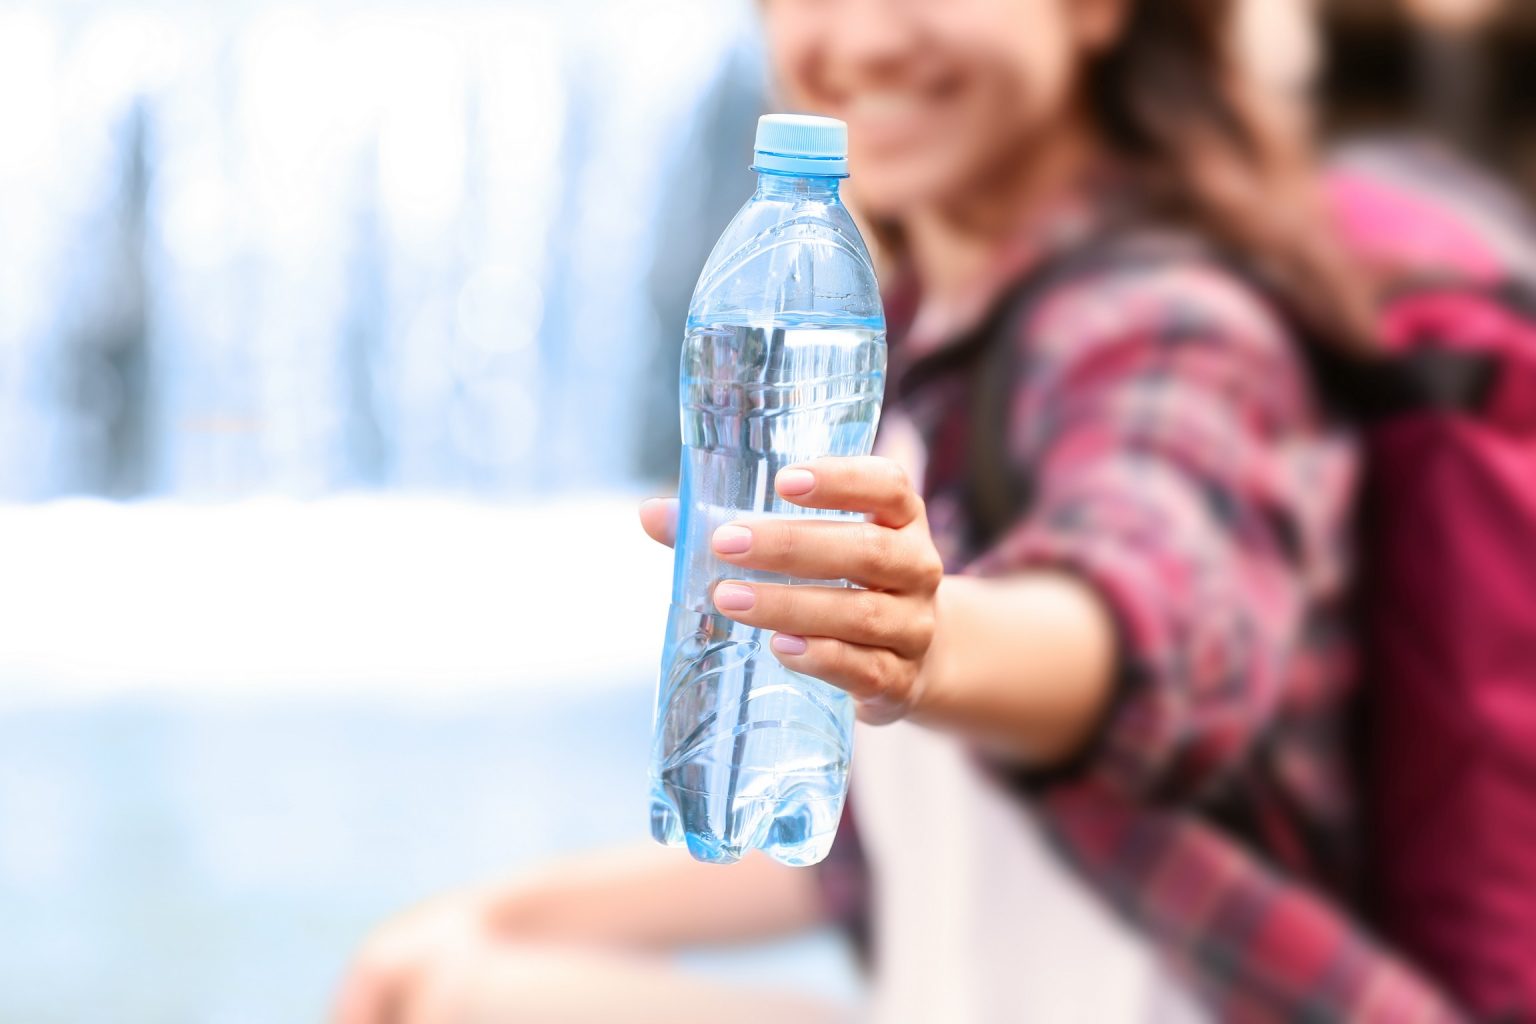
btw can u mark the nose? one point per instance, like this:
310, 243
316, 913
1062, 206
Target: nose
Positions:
873, 38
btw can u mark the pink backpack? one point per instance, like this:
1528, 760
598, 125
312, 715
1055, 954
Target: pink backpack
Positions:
1449, 581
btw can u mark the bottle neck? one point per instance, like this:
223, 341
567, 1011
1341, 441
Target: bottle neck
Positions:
797, 187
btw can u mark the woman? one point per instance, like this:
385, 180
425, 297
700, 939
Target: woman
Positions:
1152, 649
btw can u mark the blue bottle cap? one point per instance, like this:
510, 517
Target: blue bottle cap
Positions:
801, 144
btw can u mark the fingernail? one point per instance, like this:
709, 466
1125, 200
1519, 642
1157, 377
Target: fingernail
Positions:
786, 643
732, 540
796, 481
733, 597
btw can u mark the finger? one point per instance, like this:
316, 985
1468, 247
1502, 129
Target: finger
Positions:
875, 486
878, 679
866, 617
658, 517
819, 549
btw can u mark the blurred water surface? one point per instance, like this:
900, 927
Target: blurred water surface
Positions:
281, 721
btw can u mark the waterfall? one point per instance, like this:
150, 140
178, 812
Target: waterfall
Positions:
302, 249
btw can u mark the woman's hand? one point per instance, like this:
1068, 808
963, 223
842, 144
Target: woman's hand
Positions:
872, 642
403, 957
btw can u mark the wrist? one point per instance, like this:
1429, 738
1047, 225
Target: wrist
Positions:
936, 679
1022, 666
510, 909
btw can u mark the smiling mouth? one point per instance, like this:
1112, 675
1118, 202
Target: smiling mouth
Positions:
886, 105
892, 111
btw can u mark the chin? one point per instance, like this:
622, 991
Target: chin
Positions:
891, 193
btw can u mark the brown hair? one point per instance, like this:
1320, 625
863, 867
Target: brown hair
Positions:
1168, 97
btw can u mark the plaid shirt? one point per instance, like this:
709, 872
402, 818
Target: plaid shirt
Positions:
1178, 462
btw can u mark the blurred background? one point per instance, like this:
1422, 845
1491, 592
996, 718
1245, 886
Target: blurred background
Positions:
324, 329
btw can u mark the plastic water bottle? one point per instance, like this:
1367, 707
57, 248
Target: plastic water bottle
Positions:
783, 361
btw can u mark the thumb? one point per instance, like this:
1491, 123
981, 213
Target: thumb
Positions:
658, 516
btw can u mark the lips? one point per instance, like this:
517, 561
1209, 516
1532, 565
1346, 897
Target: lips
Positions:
889, 117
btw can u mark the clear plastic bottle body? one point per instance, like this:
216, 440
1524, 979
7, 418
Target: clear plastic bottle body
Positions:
783, 361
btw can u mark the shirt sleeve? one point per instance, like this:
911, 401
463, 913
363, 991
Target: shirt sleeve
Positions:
1165, 424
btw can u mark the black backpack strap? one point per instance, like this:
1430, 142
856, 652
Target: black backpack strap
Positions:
1426, 379
1431, 375
997, 491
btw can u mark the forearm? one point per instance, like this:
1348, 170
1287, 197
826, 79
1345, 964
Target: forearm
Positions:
1023, 666
657, 898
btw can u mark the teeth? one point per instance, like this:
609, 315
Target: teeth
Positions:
883, 104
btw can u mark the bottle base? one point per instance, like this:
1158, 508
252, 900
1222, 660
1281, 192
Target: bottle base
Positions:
796, 832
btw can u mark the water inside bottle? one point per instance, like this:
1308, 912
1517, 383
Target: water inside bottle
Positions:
748, 753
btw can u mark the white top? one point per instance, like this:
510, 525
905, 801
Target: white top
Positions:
976, 918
